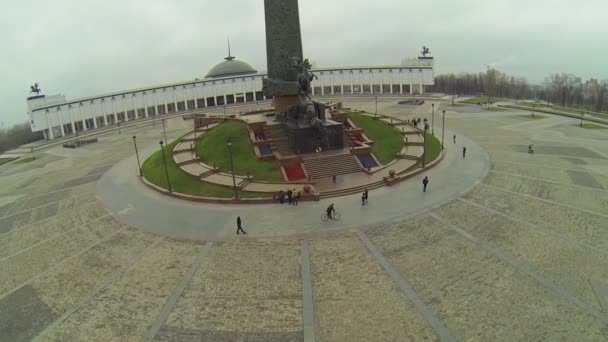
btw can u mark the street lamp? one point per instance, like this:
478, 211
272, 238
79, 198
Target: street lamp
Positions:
229, 143
137, 154
162, 152
582, 117
426, 127
443, 129
164, 132
433, 119
376, 112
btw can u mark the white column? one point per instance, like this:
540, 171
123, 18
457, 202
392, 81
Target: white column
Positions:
59, 116
351, 82
331, 80
411, 88
48, 125
401, 88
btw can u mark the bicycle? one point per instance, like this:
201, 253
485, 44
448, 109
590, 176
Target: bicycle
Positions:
335, 216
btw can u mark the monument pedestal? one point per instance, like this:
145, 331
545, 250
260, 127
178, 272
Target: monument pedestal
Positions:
308, 139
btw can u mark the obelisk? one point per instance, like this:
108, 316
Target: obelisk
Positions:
283, 41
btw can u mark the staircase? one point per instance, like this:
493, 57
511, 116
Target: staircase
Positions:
278, 136
329, 166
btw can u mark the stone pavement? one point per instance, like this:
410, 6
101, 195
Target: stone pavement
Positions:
121, 192
520, 256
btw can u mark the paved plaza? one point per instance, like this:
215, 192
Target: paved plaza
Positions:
504, 246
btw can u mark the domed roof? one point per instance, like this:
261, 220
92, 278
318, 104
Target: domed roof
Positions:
231, 67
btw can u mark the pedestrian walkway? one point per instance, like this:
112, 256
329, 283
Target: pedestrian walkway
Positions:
121, 192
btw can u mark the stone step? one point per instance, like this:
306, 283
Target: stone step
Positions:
329, 166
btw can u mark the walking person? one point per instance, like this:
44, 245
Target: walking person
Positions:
425, 182
454, 138
464, 151
364, 197
239, 228
333, 179
289, 197
296, 198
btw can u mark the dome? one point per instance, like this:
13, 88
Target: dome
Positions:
231, 67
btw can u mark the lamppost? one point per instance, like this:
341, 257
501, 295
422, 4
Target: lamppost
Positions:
426, 127
443, 129
433, 119
376, 112
137, 154
164, 132
162, 152
582, 117
229, 143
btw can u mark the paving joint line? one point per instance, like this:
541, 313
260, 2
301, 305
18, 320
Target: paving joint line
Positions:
548, 181
53, 237
44, 219
408, 290
524, 268
52, 268
109, 279
308, 314
540, 154
545, 166
49, 192
177, 292
47, 204
534, 227
544, 200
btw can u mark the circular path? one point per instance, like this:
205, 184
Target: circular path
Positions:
522, 255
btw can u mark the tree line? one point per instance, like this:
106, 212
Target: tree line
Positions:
560, 89
16, 136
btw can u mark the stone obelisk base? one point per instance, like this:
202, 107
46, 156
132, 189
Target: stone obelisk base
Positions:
282, 103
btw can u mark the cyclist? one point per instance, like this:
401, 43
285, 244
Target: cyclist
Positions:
330, 210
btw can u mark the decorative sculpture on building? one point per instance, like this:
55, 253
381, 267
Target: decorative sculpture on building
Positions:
425, 51
35, 89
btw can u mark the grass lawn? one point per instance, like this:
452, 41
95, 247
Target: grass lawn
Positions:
213, 150
387, 140
24, 160
477, 100
495, 109
433, 148
6, 160
593, 126
181, 181
532, 117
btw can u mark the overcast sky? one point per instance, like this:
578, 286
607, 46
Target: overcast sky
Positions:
84, 48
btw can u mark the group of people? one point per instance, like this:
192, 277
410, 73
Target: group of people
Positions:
260, 137
292, 197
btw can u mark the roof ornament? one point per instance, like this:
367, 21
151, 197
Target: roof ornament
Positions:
230, 56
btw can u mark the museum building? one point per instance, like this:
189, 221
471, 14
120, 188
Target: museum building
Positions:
230, 81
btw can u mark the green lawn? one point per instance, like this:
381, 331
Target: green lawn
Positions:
213, 150
593, 126
181, 181
387, 139
495, 109
433, 148
531, 117
6, 160
477, 100
24, 160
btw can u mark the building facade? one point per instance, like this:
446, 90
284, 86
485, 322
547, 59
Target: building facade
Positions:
56, 116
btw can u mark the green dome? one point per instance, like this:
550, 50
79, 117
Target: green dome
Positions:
231, 67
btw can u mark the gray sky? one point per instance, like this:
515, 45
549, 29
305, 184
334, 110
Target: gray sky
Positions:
83, 48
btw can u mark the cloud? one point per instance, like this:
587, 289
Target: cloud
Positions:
83, 48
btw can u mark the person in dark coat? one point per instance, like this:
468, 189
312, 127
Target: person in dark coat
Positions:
289, 196
239, 228
454, 138
464, 151
364, 197
425, 182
